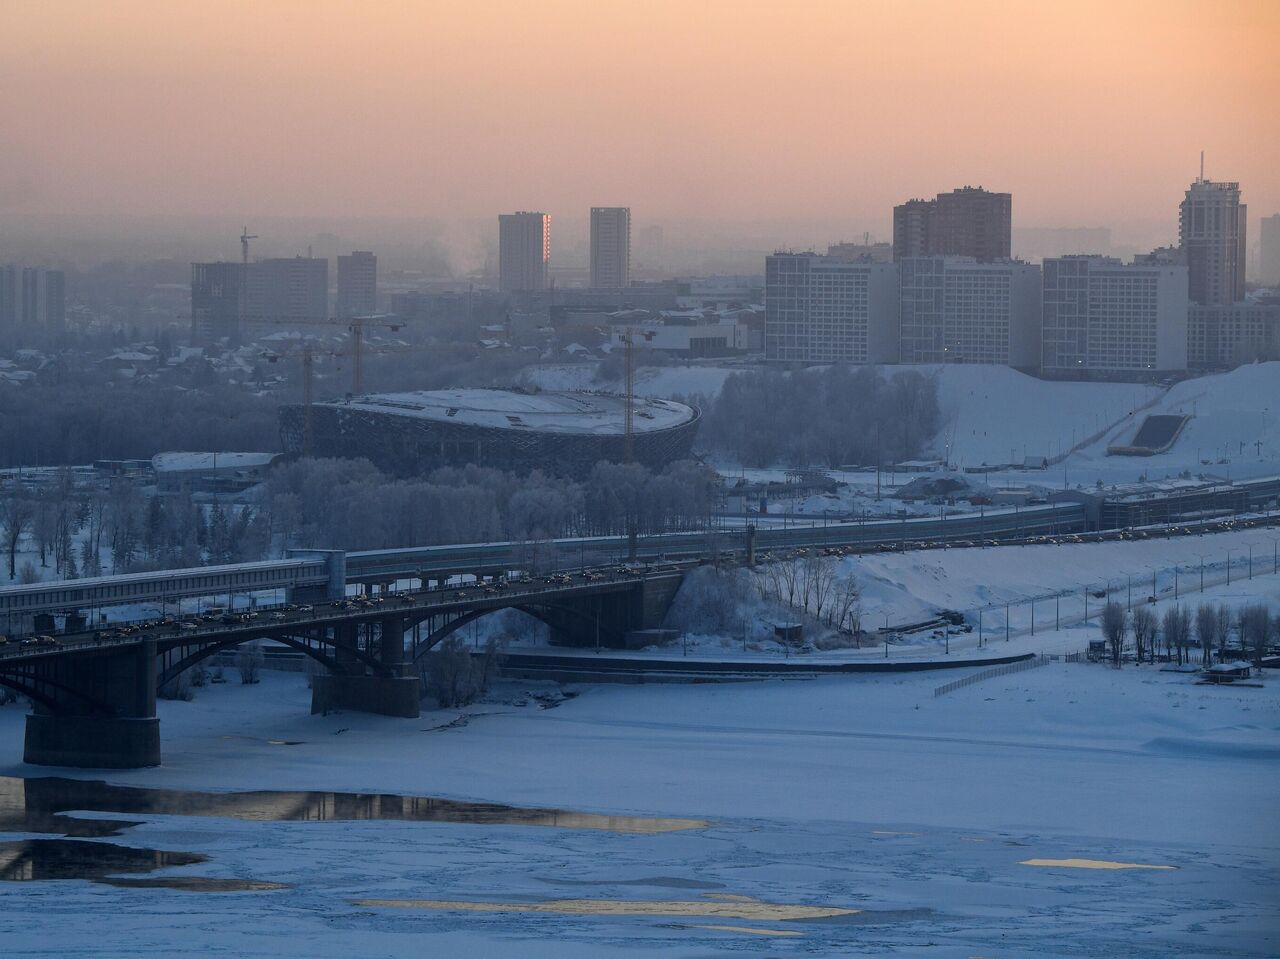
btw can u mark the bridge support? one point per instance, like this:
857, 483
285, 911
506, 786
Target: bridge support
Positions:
92, 742
392, 693
99, 711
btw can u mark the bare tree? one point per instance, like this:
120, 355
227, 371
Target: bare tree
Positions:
1113, 628
15, 517
846, 606
1223, 631
1144, 632
1255, 630
1206, 630
249, 659
1176, 627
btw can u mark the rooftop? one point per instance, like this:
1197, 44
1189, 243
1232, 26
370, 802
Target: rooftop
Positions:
548, 412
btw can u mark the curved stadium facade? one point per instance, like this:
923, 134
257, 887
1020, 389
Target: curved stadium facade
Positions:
560, 433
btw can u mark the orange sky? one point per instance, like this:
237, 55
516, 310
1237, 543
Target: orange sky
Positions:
1088, 112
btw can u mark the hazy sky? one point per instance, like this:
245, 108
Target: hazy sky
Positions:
1089, 113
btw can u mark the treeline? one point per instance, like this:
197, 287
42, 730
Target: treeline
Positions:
68, 423
830, 417
77, 531
350, 504
336, 504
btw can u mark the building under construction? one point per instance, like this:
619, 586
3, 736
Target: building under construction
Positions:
515, 430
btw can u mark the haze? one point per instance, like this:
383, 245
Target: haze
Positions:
1089, 113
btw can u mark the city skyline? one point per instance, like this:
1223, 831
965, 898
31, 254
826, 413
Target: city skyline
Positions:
101, 73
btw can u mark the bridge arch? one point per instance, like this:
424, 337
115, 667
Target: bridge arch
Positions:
311, 649
34, 686
543, 612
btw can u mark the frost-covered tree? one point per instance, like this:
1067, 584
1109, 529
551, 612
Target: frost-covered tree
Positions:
1113, 628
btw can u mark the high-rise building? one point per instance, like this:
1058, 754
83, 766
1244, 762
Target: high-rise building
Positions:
821, 309
1101, 315
1269, 260
286, 291
33, 296
911, 228
1211, 230
958, 310
357, 284
969, 222
524, 251
1221, 337
33, 293
8, 296
55, 300
215, 300
610, 247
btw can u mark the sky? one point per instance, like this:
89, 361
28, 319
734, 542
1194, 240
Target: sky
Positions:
1089, 113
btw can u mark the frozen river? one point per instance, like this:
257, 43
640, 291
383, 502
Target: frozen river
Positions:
847, 816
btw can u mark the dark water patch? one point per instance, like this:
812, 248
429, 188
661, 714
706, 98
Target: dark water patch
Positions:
36, 860
43, 860
35, 805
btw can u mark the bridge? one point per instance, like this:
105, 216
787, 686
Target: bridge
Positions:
94, 693
315, 575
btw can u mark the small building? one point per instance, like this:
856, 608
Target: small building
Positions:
211, 472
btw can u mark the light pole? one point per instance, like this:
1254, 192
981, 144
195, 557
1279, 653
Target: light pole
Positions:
1228, 567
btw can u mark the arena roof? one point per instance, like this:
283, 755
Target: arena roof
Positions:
546, 412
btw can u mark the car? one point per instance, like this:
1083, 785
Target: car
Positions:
279, 615
4, 640
305, 609
189, 626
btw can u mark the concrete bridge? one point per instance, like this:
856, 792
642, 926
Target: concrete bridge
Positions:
94, 694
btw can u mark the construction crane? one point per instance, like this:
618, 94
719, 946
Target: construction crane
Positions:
242, 301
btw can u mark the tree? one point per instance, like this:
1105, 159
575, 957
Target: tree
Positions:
249, 659
1255, 630
455, 677
1223, 631
15, 517
1206, 631
1144, 631
1113, 628
1176, 627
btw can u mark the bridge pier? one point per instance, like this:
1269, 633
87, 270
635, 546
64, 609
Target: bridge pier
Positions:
99, 712
392, 693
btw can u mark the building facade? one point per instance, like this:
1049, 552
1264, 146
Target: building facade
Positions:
357, 285
1227, 336
1102, 316
286, 291
215, 301
9, 296
970, 222
610, 247
33, 297
1269, 258
821, 309
959, 310
524, 251
1211, 230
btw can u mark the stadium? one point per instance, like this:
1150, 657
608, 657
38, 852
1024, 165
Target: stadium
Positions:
514, 430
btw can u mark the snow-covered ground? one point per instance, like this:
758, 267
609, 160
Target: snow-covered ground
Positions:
865, 793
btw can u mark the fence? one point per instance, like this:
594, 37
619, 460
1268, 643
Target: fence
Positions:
992, 673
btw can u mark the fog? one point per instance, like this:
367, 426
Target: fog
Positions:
810, 127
